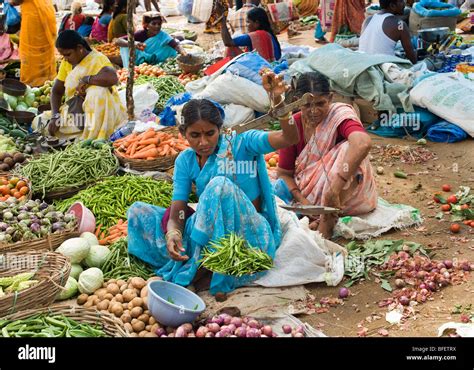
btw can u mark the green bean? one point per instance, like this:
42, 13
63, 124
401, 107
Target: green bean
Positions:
75, 166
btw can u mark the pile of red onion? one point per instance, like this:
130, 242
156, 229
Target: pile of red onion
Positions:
418, 277
225, 325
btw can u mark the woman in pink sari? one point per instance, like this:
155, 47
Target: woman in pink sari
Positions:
329, 165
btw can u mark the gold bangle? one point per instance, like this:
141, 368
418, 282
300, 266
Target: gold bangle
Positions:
173, 231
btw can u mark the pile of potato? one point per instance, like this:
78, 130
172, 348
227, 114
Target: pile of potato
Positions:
127, 300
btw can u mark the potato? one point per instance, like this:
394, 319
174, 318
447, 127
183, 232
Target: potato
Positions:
108, 296
144, 317
136, 311
138, 282
151, 335
154, 327
101, 293
134, 335
128, 295
112, 281
142, 333
144, 292
153, 278
113, 289
137, 302
121, 282
125, 306
119, 298
103, 305
88, 304
126, 318
104, 285
147, 312
148, 327
145, 303
152, 320
138, 325
123, 288
117, 309
128, 327
82, 299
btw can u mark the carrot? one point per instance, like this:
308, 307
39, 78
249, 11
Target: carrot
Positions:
144, 154
133, 148
150, 133
154, 141
97, 231
102, 236
173, 152
146, 148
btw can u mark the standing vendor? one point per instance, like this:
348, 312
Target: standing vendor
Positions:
229, 201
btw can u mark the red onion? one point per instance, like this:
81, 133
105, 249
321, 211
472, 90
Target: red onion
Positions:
431, 286
188, 328
404, 300
447, 275
202, 331
237, 321
443, 270
299, 335
217, 320
225, 332
233, 336
231, 327
181, 333
343, 293
219, 335
286, 329
465, 266
225, 318
267, 330
253, 333
448, 263
434, 271
163, 336
160, 332
424, 291
213, 327
241, 332
440, 265
443, 282
421, 274
210, 335
423, 286
253, 324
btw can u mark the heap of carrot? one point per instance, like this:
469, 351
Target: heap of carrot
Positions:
113, 234
150, 144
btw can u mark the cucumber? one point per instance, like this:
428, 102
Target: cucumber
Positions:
17, 133
5, 129
99, 143
86, 143
400, 174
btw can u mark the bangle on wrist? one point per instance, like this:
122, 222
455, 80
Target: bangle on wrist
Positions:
173, 231
342, 177
294, 190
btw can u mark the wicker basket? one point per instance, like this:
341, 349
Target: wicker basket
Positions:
190, 63
111, 325
158, 164
51, 242
51, 269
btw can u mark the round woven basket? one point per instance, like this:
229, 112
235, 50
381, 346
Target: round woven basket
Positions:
158, 164
110, 324
190, 63
51, 269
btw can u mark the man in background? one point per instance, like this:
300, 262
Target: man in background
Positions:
238, 20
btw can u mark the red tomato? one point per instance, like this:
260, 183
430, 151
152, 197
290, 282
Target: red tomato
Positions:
445, 207
452, 199
455, 228
465, 206
446, 187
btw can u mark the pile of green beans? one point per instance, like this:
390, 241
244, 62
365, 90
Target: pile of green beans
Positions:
165, 86
110, 199
73, 167
121, 265
232, 255
44, 326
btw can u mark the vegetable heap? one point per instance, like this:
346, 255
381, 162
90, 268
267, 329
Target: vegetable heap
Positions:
32, 220
110, 199
232, 255
13, 187
8, 161
16, 283
121, 265
170, 66
165, 86
7, 145
45, 326
150, 145
113, 234
75, 166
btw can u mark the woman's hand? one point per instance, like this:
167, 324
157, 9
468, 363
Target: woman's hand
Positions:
174, 245
81, 88
140, 46
54, 124
273, 84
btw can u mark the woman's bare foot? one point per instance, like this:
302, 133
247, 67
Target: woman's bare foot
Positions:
202, 280
326, 226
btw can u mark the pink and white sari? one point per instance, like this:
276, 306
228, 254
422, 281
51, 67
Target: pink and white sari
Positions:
322, 158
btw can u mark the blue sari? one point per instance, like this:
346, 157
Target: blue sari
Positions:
223, 207
157, 50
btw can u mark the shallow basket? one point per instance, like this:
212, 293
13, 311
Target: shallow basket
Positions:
49, 243
111, 325
190, 63
9, 175
52, 269
158, 164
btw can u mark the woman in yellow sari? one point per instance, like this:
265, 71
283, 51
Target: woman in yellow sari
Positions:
90, 74
37, 35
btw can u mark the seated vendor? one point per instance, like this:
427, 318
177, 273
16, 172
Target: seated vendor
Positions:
118, 23
329, 164
154, 45
238, 20
260, 37
235, 195
89, 74
8, 51
382, 31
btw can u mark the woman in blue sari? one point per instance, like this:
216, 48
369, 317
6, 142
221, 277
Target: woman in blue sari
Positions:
153, 45
235, 195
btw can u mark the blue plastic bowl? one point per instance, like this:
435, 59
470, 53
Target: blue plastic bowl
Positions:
172, 305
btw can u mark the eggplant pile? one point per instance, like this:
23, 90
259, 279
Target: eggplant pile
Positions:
31, 220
